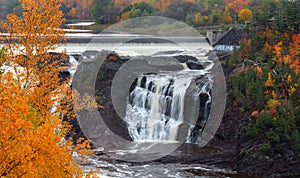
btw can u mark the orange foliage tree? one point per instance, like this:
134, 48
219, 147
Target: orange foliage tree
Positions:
245, 14
295, 53
30, 145
33, 100
236, 5
31, 38
162, 4
79, 8
122, 2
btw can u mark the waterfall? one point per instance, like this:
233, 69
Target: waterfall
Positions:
171, 106
155, 108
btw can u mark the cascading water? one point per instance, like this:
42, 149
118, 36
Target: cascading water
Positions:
155, 107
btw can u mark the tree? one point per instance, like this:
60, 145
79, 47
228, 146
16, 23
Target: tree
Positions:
28, 144
77, 8
121, 2
216, 16
136, 10
133, 13
162, 4
32, 98
210, 4
225, 17
37, 32
284, 16
180, 9
236, 5
245, 15
111, 14
295, 53
98, 10
197, 19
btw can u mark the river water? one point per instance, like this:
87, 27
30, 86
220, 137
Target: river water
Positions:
111, 168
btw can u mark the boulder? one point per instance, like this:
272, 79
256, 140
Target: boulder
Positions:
185, 58
194, 65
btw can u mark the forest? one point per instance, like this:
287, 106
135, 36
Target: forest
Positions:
267, 85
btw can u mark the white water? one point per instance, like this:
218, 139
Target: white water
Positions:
155, 108
81, 24
156, 170
132, 49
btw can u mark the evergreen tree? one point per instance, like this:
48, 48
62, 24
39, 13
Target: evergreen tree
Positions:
99, 8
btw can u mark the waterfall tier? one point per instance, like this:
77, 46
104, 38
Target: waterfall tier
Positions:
156, 106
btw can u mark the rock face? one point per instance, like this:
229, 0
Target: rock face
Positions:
225, 138
184, 58
103, 85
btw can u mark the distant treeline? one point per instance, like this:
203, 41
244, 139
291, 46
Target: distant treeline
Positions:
194, 12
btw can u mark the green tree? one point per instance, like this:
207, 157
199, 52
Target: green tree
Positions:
265, 14
179, 10
99, 8
284, 17
216, 16
111, 14
137, 10
226, 17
